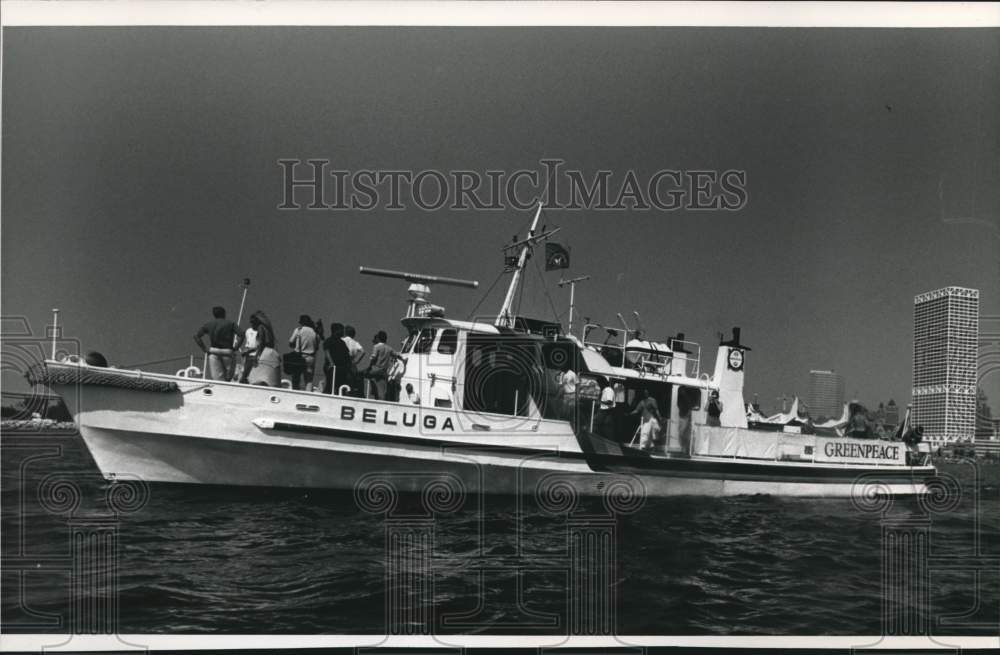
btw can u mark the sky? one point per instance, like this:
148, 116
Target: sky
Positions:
140, 180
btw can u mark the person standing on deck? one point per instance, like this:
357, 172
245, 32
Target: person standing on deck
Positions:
225, 337
646, 401
381, 359
305, 342
249, 348
357, 356
606, 413
649, 429
858, 427
338, 373
714, 409
567, 393
267, 361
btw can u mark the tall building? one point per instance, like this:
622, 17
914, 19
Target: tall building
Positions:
945, 349
826, 394
892, 413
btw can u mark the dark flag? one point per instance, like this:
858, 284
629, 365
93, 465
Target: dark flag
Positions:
556, 256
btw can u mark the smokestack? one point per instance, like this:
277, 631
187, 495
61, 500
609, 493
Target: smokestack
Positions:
736, 336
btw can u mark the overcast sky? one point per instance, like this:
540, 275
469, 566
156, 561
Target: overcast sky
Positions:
140, 180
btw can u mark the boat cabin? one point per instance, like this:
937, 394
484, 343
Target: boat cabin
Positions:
480, 367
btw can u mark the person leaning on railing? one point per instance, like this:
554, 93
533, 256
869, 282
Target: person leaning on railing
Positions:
225, 338
266, 360
381, 360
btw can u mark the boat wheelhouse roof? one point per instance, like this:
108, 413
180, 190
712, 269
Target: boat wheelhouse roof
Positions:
597, 365
593, 362
522, 326
418, 322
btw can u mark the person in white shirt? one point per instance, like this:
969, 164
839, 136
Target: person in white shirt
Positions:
357, 352
567, 393
249, 348
606, 413
353, 345
411, 395
649, 428
304, 341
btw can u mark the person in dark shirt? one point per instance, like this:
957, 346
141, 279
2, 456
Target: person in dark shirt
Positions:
858, 426
714, 409
646, 400
225, 337
339, 357
379, 363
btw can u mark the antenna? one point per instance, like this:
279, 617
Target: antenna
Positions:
419, 278
638, 321
572, 293
622, 319
418, 303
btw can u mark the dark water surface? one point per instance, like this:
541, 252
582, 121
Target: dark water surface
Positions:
199, 560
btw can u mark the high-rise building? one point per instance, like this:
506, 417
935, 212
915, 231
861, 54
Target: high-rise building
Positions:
826, 394
945, 349
892, 413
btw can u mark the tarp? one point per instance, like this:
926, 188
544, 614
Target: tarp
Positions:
785, 417
845, 416
733, 442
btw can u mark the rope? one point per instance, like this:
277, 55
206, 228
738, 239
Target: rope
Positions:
484, 296
520, 298
159, 361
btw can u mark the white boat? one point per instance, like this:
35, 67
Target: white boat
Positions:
490, 420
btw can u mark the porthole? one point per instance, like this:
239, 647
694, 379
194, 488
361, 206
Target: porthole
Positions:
275, 399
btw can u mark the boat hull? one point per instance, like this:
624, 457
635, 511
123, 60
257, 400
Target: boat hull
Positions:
170, 458
227, 434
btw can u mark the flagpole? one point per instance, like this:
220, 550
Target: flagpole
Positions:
572, 297
239, 317
245, 285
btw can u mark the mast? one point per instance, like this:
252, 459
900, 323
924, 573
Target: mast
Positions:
505, 318
572, 294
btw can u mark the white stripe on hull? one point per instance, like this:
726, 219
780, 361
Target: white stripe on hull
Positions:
196, 460
230, 434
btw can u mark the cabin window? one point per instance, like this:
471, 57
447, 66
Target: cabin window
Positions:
502, 375
424, 341
448, 342
408, 342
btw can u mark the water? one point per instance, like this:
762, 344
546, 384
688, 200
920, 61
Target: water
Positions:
223, 560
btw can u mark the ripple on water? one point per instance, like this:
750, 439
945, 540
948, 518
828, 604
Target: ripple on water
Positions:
204, 559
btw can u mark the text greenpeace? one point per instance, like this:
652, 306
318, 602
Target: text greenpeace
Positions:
850, 450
